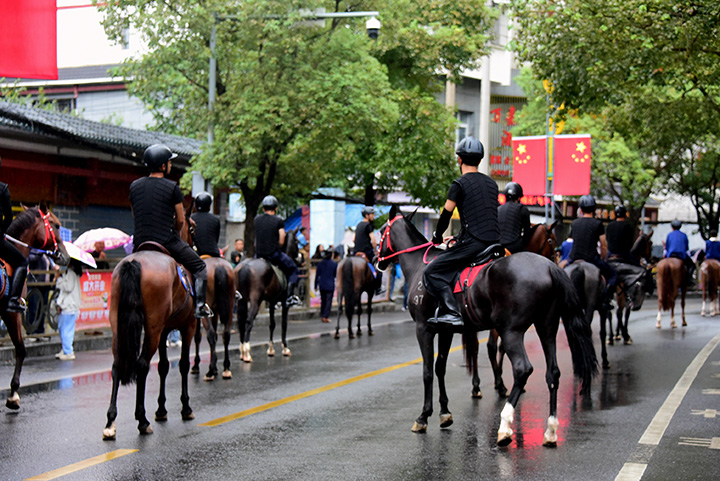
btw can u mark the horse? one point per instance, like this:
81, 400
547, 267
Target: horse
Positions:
354, 278
150, 294
710, 281
590, 286
258, 280
509, 295
633, 283
671, 277
35, 228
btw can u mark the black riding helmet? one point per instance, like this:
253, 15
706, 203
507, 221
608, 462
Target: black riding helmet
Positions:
156, 155
513, 191
367, 210
587, 204
270, 202
470, 150
203, 201
620, 211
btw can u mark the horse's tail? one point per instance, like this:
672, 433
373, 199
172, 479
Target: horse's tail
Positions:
222, 294
130, 321
578, 331
470, 349
348, 284
577, 278
712, 281
665, 286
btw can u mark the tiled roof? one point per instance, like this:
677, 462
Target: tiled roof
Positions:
122, 141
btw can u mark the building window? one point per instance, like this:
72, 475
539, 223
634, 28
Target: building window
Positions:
126, 38
465, 126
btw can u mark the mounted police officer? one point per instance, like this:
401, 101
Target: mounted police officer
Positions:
269, 236
586, 232
476, 197
159, 216
207, 227
677, 245
365, 242
10, 254
620, 237
514, 220
712, 246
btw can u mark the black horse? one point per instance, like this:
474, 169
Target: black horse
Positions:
354, 278
258, 280
509, 295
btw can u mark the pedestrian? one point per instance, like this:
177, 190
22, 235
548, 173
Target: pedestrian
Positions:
207, 227
514, 220
68, 301
565, 249
476, 197
712, 246
620, 238
319, 252
366, 243
159, 216
100, 256
395, 274
588, 232
269, 236
238, 255
325, 282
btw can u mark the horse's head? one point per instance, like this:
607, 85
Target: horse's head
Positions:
642, 247
398, 235
39, 229
291, 244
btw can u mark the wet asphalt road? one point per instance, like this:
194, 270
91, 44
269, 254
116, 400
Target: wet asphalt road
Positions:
335, 411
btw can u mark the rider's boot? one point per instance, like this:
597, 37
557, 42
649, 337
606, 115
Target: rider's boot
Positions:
292, 299
607, 299
379, 289
16, 303
447, 312
201, 308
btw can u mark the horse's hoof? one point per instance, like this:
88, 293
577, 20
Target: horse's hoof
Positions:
359, 332
658, 325
673, 325
109, 433
286, 352
606, 365
550, 443
145, 430
476, 394
618, 337
271, 350
13, 402
504, 438
352, 336
628, 341
684, 324
610, 342
502, 391
227, 374
419, 428
188, 417
160, 417
209, 377
446, 420
337, 335
370, 332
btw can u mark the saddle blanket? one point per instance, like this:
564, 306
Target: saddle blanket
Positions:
467, 276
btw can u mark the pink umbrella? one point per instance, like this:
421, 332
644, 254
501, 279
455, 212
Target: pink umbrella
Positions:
110, 236
76, 253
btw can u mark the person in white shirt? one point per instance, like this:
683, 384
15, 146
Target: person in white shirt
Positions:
68, 300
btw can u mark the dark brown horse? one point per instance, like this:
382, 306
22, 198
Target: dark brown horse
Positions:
258, 280
710, 281
510, 295
354, 277
671, 278
542, 240
148, 299
35, 228
221, 299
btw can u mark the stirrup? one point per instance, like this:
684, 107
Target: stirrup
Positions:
17, 304
447, 319
293, 301
203, 311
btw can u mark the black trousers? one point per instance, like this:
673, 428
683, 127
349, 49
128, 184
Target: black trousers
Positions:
326, 298
442, 270
183, 253
10, 254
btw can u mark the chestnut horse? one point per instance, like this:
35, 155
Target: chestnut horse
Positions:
37, 229
542, 240
148, 295
710, 281
354, 278
671, 278
510, 295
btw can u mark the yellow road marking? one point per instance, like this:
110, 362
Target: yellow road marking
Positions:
312, 392
56, 473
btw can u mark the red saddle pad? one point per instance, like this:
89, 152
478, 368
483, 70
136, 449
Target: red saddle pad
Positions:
468, 274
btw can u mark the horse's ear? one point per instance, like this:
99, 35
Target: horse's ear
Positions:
552, 226
393, 212
43, 207
24, 207
650, 234
410, 217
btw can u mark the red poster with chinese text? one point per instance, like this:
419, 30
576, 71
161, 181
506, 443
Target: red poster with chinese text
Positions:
571, 172
529, 155
28, 39
94, 300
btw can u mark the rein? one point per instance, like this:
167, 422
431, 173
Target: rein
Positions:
49, 234
386, 235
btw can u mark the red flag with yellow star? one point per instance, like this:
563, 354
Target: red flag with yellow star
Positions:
529, 155
571, 169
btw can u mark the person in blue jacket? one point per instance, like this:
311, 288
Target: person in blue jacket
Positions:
325, 282
712, 246
677, 245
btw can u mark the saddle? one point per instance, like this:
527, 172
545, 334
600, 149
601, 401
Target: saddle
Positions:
185, 278
363, 256
282, 280
466, 277
6, 272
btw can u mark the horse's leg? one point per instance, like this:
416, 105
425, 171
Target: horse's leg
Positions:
682, 305
284, 323
444, 341
252, 311
425, 340
603, 313
211, 328
369, 306
227, 374
359, 313
659, 314
515, 348
339, 313
626, 335
703, 310
109, 431
142, 368
618, 314
552, 377
672, 314
14, 327
163, 369
271, 346
186, 411
198, 339
492, 348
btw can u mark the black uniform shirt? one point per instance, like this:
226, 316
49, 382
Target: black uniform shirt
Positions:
267, 234
476, 196
514, 221
207, 233
362, 237
620, 237
5, 208
153, 202
586, 232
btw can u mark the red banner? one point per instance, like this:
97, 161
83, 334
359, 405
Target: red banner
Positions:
94, 300
28, 39
529, 155
571, 171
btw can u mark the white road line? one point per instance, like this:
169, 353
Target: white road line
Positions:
656, 429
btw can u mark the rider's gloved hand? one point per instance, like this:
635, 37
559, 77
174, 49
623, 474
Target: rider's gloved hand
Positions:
437, 239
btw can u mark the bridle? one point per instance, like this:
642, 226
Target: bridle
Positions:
49, 235
386, 235
548, 240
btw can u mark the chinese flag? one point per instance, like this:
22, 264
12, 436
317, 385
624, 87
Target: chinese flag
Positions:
529, 155
28, 39
571, 171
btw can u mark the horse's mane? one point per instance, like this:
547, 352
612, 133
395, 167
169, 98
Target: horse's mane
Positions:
23, 222
639, 244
